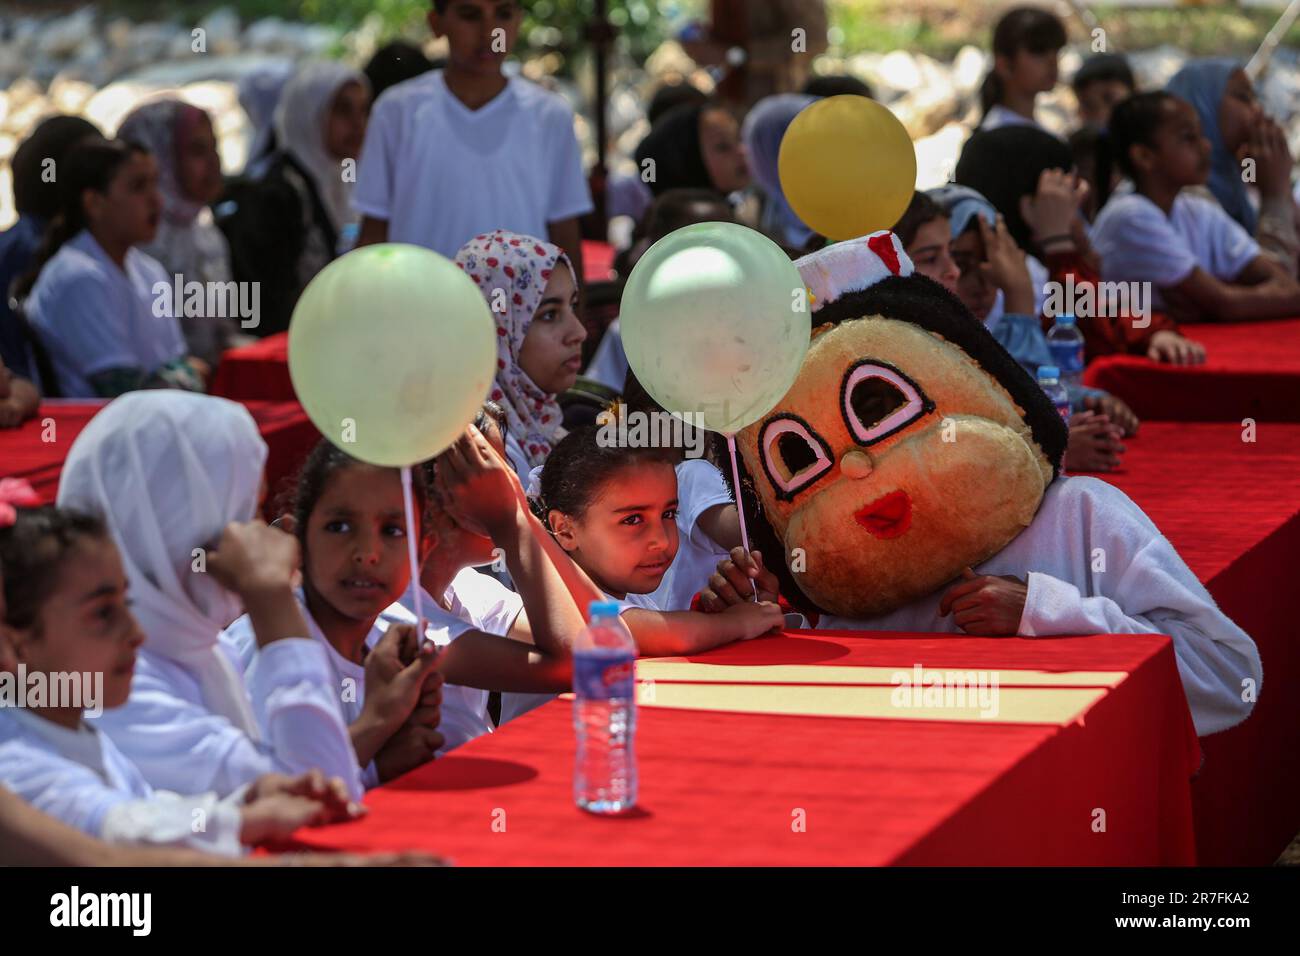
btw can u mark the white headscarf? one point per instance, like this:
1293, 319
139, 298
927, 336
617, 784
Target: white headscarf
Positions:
300, 131
167, 471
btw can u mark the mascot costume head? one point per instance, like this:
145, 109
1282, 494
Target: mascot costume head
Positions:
910, 446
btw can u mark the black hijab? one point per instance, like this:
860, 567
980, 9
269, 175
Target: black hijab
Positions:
1005, 163
674, 145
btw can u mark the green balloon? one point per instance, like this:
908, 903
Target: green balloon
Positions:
392, 351
716, 322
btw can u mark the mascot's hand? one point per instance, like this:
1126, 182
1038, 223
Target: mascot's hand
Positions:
735, 580
986, 605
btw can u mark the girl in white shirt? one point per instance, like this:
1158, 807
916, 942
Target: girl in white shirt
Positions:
614, 510
66, 614
1202, 263
177, 479
101, 307
1027, 43
350, 523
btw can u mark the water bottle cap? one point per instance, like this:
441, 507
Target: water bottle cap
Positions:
603, 609
1048, 371
1065, 319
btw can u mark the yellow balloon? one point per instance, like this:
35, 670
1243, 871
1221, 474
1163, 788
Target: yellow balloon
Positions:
847, 167
392, 351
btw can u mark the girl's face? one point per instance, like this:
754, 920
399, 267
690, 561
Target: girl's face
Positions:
356, 557
974, 290
345, 124
86, 625
551, 354
471, 26
128, 211
1030, 72
724, 153
1178, 153
198, 167
627, 537
460, 545
1098, 99
1239, 111
931, 256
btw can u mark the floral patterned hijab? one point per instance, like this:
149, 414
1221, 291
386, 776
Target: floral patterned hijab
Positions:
511, 270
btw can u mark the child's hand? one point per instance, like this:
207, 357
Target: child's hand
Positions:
1052, 210
398, 674
986, 605
253, 558
1114, 409
330, 792
1170, 347
412, 746
1094, 443
1268, 147
1004, 267
755, 620
278, 815
476, 486
734, 582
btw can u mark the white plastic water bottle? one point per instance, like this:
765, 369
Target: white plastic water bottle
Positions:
604, 713
1049, 380
1065, 342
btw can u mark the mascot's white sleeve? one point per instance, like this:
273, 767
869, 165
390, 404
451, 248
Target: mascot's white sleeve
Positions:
1102, 567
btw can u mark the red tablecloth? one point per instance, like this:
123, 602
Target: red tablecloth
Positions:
288, 433
260, 372
733, 788
1252, 370
1232, 509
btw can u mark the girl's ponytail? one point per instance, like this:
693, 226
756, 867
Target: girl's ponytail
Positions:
991, 91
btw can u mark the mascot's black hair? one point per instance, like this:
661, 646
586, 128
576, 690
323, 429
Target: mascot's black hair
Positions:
922, 302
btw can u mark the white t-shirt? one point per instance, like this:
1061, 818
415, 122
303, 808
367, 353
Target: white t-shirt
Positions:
477, 602
1143, 587
1137, 242
93, 316
700, 486
440, 173
81, 779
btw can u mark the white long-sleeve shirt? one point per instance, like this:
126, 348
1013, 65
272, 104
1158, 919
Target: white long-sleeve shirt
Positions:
80, 778
1096, 564
179, 744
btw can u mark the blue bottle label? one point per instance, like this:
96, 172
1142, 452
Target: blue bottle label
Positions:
604, 676
1068, 356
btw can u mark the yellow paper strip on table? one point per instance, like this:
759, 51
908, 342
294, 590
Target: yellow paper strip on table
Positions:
682, 671
1013, 705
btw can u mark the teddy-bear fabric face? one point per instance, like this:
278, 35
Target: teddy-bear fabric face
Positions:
892, 463
904, 451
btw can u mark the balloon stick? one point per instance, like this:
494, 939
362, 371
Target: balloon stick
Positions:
740, 505
412, 546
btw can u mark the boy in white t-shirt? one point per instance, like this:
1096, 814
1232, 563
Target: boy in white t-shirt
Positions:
1201, 263
464, 150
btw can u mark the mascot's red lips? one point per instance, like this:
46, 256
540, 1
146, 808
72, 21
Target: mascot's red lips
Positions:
887, 516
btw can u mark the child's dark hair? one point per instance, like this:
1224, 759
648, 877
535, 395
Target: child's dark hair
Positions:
91, 164
1092, 154
839, 84
489, 413
1103, 68
920, 210
636, 399
1133, 122
32, 551
326, 459
578, 468
671, 95
1024, 28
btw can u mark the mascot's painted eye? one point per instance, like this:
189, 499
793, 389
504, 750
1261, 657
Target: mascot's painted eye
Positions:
878, 400
794, 456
